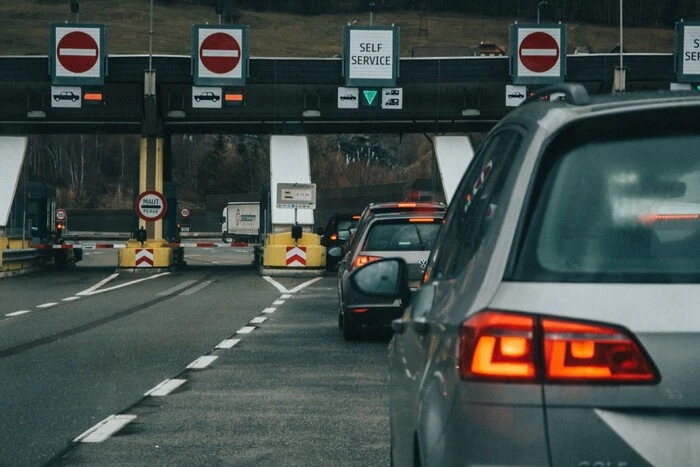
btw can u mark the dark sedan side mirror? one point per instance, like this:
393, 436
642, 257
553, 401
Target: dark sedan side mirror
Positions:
386, 277
336, 252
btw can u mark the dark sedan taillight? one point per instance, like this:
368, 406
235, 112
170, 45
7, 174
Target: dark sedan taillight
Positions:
516, 347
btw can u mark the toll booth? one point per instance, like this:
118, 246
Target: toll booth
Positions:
32, 212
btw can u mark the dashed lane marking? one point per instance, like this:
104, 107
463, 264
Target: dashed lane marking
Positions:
165, 387
228, 343
17, 313
202, 362
258, 320
105, 429
246, 330
269, 310
47, 305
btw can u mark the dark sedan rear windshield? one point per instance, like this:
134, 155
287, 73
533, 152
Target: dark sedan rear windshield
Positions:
617, 211
403, 235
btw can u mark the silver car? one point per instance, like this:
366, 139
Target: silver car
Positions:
559, 320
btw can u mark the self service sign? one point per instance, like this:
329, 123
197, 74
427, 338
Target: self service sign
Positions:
688, 51
371, 55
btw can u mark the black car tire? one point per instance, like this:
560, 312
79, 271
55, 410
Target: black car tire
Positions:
351, 331
340, 320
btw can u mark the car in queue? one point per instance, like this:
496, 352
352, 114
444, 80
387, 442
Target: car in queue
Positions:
557, 321
337, 232
406, 233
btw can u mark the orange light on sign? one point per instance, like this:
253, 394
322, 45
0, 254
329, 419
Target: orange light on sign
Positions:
233, 97
93, 96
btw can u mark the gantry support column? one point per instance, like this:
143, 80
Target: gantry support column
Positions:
153, 253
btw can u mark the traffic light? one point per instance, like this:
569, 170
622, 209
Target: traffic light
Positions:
695, 87
59, 231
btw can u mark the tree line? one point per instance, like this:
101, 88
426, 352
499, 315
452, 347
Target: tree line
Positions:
650, 13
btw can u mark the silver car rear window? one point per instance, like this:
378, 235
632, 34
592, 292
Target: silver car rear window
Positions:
402, 235
617, 211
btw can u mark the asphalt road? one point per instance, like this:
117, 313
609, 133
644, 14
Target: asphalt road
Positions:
210, 365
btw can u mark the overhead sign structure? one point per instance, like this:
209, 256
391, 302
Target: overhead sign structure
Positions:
151, 205
296, 195
538, 53
219, 55
78, 54
371, 55
687, 62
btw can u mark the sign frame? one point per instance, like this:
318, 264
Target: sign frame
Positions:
65, 77
551, 76
352, 80
296, 195
157, 194
240, 33
683, 72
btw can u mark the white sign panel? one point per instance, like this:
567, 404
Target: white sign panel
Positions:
220, 53
515, 95
12, 149
77, 52
206, 97
348, 98
392, 98
371, 54
66, 97
296, 195
539, 52
691, 50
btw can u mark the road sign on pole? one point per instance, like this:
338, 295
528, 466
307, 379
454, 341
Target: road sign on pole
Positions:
371, 55
61, 215
219, 55
538, 53
77, 54
151, 205
687, 60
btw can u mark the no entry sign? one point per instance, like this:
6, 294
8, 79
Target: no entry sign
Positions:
539, 54
219, 55
151, 205
77, 54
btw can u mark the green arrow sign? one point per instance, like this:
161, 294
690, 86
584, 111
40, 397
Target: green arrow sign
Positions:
370, 96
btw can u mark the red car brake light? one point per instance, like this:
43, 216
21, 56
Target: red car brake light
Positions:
364, 259
524, 348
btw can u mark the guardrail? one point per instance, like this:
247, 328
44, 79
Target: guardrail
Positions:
13, 260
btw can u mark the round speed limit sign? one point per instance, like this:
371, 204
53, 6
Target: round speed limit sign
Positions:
61, 214
184, 213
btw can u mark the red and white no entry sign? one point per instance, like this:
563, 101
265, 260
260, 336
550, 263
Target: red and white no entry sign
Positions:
539, 52
151, 205
77, 52
220, 53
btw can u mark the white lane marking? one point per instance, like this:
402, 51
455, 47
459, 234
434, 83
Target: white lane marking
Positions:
177, 288
258, 320
165, 387
269, 310
98, 285
70, 299
47, 305
285, 296
277, 285
17, 313
278, 302
301, 286
126, 284
246, 330
202, 362
104, 429
228, 343
197, 288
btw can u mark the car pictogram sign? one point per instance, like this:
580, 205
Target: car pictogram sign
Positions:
77, 54
151, 205
539, 52
219, 55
